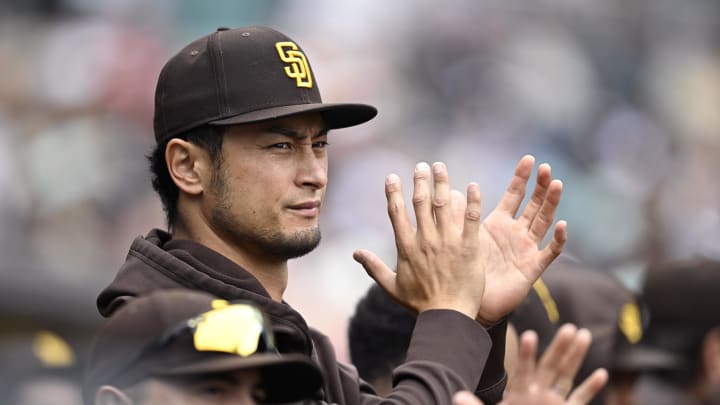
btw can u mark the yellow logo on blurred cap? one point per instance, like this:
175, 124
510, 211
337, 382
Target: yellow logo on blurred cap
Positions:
630, 323
52, 350
298, 67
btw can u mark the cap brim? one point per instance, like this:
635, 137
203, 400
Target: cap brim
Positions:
639, 357
287, 378
335, 115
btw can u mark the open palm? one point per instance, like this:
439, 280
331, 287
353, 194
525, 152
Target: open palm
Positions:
549, 380
510, 246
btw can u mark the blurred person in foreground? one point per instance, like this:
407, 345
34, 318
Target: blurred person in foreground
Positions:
668, 351
182, 346
40, 366
549, 380
241, 166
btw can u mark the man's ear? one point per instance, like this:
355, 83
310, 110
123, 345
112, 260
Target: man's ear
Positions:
189, 166
109, 395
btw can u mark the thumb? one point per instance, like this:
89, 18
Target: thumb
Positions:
377, 270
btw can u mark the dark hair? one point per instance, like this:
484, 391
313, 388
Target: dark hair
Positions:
379, 334
207, 137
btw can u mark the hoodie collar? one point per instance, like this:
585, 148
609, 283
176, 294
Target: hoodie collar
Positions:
158, 261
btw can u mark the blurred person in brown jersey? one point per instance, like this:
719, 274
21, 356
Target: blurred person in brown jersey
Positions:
668, 348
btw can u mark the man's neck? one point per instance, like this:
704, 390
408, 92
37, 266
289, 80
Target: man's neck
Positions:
272, 274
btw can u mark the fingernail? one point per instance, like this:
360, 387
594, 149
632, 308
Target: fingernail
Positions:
438, 167
392, 178
421, 167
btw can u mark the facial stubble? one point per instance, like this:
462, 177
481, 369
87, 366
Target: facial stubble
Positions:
272, 242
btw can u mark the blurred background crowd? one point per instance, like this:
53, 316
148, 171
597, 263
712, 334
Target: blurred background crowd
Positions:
621, 97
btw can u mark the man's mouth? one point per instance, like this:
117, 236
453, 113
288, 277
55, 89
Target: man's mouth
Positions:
306, 209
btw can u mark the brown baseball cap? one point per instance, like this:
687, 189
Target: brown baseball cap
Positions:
240, 76
677, 302
184, 332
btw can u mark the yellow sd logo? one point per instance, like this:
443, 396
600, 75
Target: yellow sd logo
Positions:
298, 68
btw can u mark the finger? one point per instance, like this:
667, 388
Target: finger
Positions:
441, 197
515, 192
397, 211
588, 389
555, 247
465, 398
422, 200
544, 218
571, 362
525, 368
458, 205
544, 177
549, 364
377, 270
471, 224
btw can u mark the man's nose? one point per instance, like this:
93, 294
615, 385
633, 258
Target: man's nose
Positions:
312, 169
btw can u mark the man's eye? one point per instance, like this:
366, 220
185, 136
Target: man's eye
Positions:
320, 144
282, 145
214, 389
259, 394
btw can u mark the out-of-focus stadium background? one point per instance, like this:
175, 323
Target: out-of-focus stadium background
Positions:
621, 97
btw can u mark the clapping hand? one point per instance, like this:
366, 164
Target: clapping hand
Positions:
549, 380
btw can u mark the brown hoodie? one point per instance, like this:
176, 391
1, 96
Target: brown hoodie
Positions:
438, 363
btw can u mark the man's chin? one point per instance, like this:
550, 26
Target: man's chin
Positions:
298, 243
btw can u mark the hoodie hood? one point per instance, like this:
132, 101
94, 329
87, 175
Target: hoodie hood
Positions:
158, 262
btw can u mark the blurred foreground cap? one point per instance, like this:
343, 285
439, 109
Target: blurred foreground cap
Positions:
678, 307
183, 332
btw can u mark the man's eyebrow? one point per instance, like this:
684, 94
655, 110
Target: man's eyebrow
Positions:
293, 133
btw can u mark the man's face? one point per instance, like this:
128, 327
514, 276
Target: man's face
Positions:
239, 387
266, 197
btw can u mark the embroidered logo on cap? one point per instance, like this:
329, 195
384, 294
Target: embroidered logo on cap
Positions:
630, 322
298, 67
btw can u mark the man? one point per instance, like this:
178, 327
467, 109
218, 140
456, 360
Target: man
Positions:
182, 346
668, 348
241, 167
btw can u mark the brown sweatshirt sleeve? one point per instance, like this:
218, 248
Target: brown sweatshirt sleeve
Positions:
494, 378
447, 353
